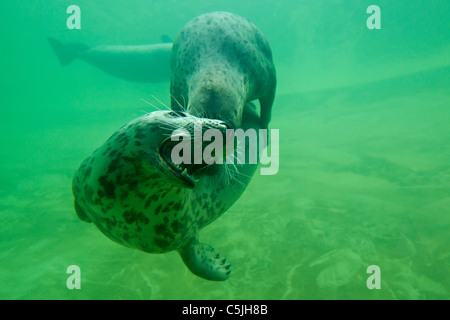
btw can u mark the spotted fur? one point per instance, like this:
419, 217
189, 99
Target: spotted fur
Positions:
220, 61
129, 193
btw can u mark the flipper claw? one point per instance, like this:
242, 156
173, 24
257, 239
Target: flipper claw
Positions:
205, 262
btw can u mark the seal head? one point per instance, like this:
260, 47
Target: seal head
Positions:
220, 61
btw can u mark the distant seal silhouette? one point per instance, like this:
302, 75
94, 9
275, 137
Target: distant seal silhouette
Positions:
144, 63
133, 192
220, 61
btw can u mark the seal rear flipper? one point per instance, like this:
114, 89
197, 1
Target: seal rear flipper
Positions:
203, 261
80, 212
66, 53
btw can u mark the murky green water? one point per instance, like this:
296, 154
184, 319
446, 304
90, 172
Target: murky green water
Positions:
364, 173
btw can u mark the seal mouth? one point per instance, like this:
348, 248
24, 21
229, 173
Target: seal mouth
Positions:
187, 173
182, 171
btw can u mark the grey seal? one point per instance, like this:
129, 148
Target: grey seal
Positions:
220, 61
132, 191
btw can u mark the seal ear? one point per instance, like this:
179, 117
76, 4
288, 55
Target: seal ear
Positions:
66, 53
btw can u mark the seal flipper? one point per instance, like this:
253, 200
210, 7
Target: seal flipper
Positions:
80, 212
250, 117
66, 53
266, 103
204, 261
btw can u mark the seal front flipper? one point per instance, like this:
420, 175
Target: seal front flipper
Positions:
80, 212
66, 53
204, 261
266, 103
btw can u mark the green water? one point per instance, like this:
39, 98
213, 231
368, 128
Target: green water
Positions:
364, 175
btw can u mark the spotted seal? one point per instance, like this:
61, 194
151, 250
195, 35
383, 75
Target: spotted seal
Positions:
133, 192
220, 61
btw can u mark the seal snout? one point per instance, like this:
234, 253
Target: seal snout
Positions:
184, 153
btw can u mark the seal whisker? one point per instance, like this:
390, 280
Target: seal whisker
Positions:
238, 172
236, 168
162, 103
197, 113
230, 174
194, 119
183, 108
233, 176
167, 128
227, 173
147, 102
242, 175
184, 104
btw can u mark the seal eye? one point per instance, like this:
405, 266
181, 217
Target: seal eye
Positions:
176, 114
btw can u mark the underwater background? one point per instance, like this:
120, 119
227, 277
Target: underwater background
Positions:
364, 176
